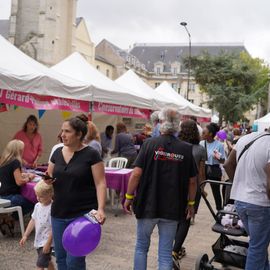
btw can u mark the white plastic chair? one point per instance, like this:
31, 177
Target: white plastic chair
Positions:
120, 163
5, 210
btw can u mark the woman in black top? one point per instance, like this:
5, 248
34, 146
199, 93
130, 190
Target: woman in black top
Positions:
11, 176
79, 186
189, 133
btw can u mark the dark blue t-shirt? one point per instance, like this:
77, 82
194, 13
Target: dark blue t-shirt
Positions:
167, 165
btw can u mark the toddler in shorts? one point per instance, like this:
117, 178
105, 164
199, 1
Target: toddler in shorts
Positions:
41, 222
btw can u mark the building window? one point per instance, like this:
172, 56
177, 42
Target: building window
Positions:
192, 87
107, 73
98, 67
157, 84
174, 86
174, 71
158, 70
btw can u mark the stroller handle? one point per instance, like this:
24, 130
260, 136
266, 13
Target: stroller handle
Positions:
221, 183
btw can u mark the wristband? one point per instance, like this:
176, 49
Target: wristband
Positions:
129, 197
191, 203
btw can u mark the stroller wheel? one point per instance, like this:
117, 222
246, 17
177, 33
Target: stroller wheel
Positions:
201, 262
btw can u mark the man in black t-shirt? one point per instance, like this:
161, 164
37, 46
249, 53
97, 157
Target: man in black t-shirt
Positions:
165, 182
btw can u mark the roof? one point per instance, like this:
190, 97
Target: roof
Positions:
149, 54
78, 21
4, 28
102, 59
124, 54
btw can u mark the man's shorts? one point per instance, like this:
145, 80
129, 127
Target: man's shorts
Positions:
43, 259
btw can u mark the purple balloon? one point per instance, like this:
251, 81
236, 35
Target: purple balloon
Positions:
81, 237
222, 135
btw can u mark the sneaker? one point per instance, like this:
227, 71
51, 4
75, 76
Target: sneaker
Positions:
182, 253
192, 221
176, 261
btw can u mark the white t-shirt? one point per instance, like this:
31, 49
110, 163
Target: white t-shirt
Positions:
42, 218
54, 148
250, 180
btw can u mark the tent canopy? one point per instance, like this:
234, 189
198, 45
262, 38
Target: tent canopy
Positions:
137, 86
185, 107
103, 89
19, 72
263, 122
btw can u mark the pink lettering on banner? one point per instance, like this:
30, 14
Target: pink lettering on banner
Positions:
121, 110
38, 102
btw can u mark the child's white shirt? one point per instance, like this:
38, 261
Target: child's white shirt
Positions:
42, 217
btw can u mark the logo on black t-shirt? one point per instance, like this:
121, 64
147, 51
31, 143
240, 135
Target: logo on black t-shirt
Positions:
160, 154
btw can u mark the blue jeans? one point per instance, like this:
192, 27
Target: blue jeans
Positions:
256, 220
64, 260
19, 200
166, 230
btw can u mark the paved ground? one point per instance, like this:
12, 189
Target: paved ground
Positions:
117, 245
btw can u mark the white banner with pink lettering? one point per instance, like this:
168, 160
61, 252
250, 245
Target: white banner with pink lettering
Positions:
34, 101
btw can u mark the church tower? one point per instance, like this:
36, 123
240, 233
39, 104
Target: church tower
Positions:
44, 29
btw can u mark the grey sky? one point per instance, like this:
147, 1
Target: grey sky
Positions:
125, 22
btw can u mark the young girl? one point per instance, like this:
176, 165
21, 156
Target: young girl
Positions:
41, 221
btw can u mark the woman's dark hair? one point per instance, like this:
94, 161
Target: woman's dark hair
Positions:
213, 128
83, 117
31, 118
79, 126
189, 132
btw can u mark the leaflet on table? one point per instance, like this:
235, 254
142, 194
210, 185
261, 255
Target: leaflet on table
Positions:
34, 101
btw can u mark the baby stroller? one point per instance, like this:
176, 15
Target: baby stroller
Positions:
227, 251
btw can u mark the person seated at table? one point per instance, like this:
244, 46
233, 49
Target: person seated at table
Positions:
142, 136
93, 138
106, 140
32, 142
12, 177
124, 144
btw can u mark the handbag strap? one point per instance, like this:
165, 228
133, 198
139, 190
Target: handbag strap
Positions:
249, 144
205, 146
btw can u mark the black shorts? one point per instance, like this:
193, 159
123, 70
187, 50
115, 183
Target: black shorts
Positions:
43, 259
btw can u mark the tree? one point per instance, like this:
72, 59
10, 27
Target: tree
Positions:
233, 82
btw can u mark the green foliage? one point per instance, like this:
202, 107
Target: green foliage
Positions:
233, 82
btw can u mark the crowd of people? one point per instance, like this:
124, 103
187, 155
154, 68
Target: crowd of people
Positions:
170, 159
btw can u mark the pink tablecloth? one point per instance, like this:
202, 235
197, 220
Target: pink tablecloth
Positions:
116, 179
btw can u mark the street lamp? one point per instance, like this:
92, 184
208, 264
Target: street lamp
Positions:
184, 24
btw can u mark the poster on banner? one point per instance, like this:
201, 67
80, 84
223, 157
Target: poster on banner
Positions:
3, 107
121, 110
39, 102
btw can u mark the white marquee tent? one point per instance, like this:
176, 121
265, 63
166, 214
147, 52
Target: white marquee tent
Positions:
137, 86
185, 107
263, 122
19, 72
103, 89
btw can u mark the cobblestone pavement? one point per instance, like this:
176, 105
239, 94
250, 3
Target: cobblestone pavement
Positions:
117, 245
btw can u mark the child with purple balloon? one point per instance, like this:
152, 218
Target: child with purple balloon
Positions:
41, 222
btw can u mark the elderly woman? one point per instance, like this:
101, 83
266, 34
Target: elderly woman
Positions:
124, 144
79, 186
32, 141
12, 177
165, 185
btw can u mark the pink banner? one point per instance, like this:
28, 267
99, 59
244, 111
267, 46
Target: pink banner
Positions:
34, 101
126, 111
